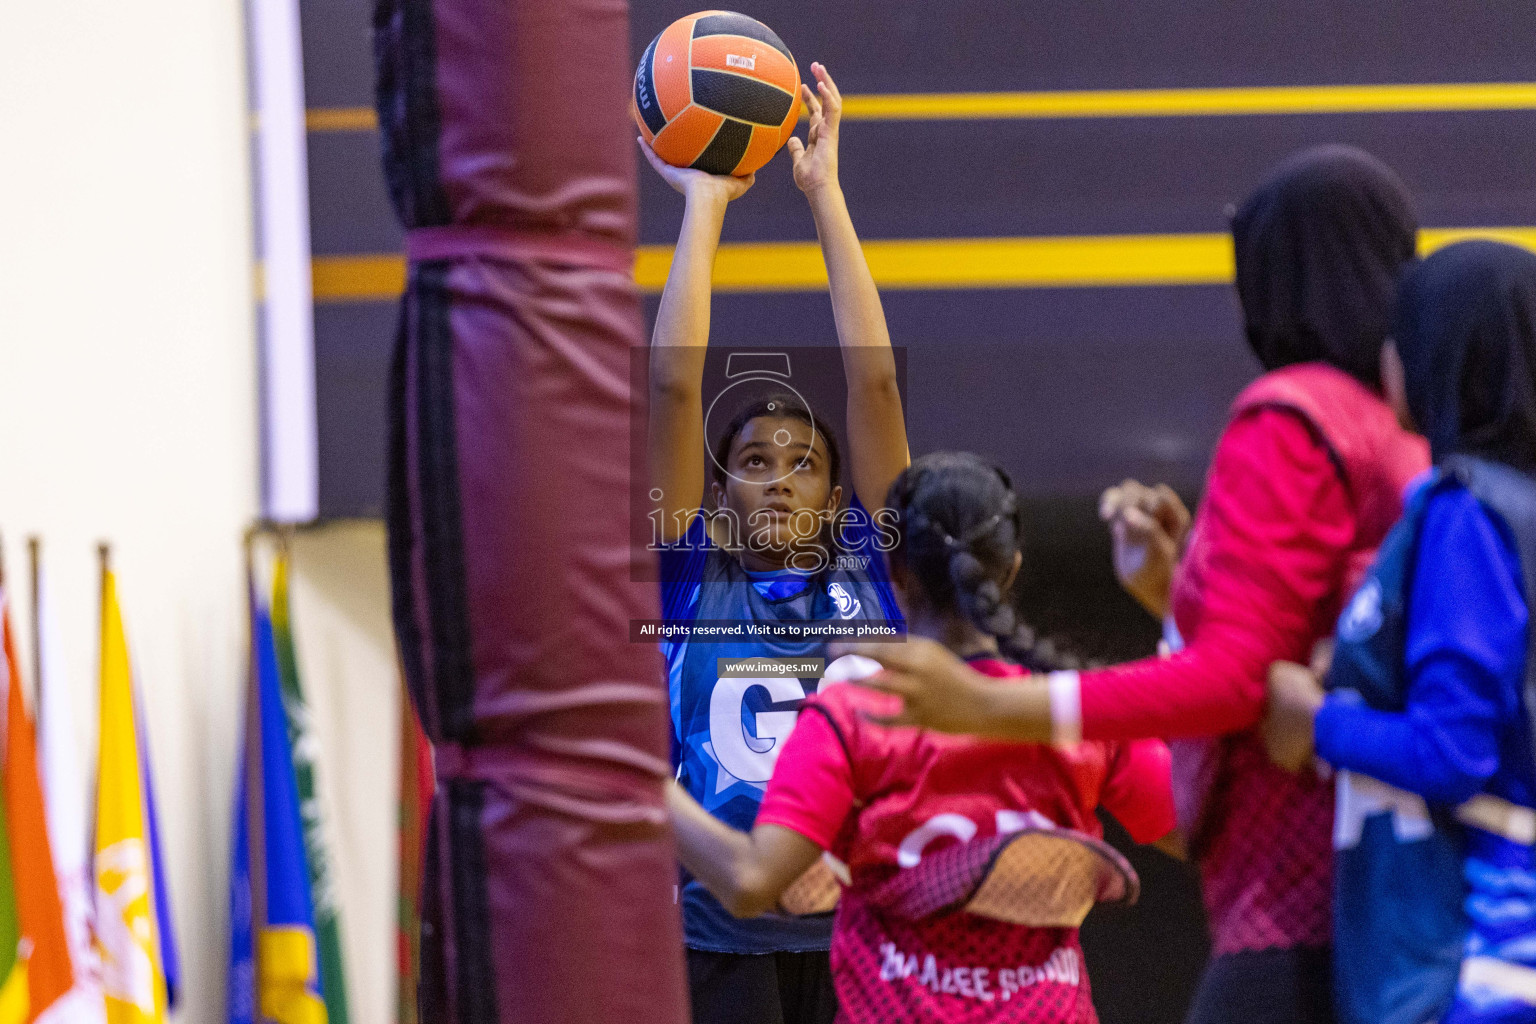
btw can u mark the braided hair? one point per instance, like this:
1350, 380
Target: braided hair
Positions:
959, 526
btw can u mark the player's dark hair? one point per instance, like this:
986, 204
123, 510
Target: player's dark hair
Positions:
959, 525
776, 406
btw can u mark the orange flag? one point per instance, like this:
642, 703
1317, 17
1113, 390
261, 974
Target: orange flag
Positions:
49, 974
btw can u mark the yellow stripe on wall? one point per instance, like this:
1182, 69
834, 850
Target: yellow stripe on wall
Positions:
1212, 102
1216, 102
357, 278
1086, 261
341, 119
1431, 239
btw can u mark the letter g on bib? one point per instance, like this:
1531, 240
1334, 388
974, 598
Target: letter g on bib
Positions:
751, 758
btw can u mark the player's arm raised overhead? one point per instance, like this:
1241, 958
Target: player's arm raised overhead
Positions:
675, 432
877, 435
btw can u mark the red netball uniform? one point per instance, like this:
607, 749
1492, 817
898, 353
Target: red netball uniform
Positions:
880, 799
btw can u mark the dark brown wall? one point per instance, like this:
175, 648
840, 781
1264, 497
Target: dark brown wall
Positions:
1070, 388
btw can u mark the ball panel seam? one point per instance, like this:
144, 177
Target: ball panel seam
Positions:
725, 150
729, 23
740, 97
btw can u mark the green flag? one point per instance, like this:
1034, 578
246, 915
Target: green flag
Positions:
416, 785
13, 968
301, 738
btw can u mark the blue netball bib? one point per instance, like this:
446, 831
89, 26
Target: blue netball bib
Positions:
1398, 926
728, 731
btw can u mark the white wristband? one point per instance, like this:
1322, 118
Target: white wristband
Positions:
1066, 708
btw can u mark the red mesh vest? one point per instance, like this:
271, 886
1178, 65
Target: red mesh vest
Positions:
1263, 836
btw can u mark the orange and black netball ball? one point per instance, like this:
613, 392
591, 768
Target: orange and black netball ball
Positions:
718, 92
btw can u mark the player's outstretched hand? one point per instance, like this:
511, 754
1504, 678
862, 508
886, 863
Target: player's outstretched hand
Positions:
815, 160
1148, 526
939, 691
1294, 698
691, 183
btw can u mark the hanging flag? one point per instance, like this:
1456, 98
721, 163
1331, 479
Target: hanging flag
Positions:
240, 985
416, 785
301, 738
65, 799
127, 929
49, 974
13, 954
170, 952
273, 948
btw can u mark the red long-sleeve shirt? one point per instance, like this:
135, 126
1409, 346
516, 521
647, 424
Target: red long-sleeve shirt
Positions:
1262, 579
1259, 582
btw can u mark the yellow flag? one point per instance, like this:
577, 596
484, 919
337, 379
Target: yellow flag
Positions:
132, 976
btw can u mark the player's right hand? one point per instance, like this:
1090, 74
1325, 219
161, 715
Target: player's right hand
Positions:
938, 691
692, 183
1149, 526
1295, 695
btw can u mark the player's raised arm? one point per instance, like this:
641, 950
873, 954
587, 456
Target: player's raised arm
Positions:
675, 432
877, 435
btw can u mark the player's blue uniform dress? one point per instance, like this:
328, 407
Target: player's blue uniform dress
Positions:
1435, 918
727, 733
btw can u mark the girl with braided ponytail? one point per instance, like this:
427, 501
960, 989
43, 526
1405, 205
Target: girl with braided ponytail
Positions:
963, 569
931, 828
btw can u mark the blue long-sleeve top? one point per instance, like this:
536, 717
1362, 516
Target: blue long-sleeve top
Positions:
1464, 730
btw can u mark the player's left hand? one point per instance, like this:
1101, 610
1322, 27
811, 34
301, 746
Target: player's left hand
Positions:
814, 161
1149, 526
1295, 695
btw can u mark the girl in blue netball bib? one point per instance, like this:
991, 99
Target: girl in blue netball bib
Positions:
1427, 719
758, 541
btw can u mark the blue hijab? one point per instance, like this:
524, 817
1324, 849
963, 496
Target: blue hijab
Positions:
1465, 327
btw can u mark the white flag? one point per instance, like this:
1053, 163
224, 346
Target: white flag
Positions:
64, 797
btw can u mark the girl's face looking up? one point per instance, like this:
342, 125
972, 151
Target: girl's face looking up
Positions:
778, 484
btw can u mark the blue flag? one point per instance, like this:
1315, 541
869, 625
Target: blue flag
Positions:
242, 940
170, 951
274, 959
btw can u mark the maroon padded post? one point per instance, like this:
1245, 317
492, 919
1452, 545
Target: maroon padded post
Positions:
550, 865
